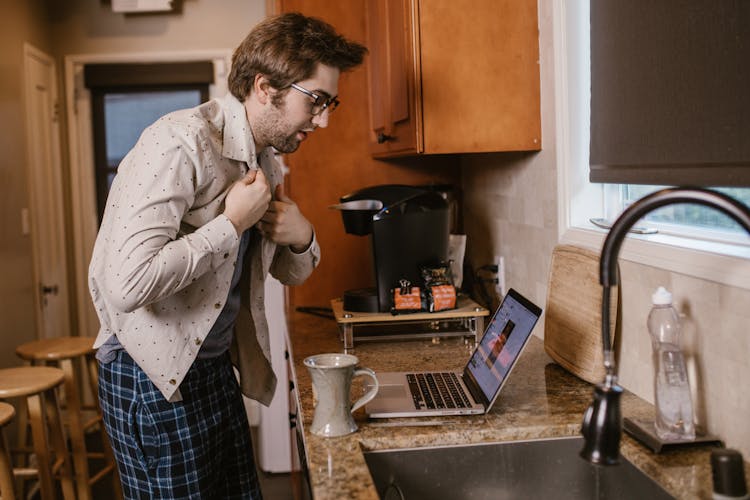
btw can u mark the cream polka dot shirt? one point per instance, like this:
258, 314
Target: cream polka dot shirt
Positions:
163, 259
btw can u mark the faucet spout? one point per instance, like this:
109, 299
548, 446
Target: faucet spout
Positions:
602, 422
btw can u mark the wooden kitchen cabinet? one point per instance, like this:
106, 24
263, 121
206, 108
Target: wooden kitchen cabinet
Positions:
453, 76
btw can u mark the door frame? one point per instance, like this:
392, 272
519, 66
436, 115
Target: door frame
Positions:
81, 155
46, 199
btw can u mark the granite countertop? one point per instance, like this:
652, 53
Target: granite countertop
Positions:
540, 400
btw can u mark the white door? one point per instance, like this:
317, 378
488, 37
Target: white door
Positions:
45, 194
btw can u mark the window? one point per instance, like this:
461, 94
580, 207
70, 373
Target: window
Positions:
119, 118
688, 220
687, 235
126, 98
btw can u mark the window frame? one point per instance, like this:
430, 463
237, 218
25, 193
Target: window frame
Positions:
714, 261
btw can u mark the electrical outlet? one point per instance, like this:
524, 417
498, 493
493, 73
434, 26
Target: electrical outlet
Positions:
499, 261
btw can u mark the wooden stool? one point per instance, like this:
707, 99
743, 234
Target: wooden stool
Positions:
65, 352
37, 385
6, 465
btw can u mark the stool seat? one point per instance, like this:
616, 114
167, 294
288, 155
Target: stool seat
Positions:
24, 380
56, 348
6, 413
37, 385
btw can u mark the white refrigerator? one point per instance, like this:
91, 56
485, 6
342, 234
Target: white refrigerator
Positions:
273, 446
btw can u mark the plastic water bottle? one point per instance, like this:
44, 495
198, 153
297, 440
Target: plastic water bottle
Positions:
674, 407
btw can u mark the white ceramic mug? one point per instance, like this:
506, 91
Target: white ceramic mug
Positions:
332, 380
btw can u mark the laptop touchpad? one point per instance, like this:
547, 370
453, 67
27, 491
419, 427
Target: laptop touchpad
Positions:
392, 391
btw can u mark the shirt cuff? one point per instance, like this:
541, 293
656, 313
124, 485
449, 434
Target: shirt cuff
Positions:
222, 238
311, 252
313, 243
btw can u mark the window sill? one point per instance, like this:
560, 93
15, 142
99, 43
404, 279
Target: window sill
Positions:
718, 262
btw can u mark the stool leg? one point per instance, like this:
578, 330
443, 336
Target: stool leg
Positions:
57, 437
41, 450
93, 373
22, 418
22, 443
75, 431
6, 470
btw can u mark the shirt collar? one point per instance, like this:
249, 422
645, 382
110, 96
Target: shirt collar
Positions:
238, 138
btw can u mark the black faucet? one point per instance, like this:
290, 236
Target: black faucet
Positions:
602, 422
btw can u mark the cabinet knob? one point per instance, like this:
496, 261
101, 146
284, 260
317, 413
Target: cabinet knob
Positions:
384, 138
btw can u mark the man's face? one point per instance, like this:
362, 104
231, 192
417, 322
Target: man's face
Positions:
285, 125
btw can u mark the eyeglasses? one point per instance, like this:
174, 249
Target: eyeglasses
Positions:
319, 103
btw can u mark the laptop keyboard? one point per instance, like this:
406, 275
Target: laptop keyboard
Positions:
437, 390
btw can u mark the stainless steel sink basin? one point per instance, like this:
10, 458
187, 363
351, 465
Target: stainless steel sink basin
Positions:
549, 468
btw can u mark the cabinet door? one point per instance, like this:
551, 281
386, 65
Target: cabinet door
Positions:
395, 120
479, 75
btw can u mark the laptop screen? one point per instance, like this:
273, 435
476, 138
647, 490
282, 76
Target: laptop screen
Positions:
502, 343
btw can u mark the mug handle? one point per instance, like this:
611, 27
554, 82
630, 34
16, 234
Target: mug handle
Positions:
371, 393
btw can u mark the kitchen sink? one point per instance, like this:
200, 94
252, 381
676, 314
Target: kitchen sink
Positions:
549, 468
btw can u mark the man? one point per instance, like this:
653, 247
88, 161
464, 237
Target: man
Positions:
195, 219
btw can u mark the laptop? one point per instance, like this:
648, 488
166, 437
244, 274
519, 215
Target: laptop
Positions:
471, 391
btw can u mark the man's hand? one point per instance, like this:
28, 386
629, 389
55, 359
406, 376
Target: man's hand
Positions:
284, 224
247, 200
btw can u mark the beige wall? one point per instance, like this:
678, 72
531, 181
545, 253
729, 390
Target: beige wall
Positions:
511, 210
23, 21
90, 26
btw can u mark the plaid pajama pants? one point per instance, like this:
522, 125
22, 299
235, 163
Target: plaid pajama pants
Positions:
197, 448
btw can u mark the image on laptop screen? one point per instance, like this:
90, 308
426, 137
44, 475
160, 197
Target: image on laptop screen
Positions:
501, 344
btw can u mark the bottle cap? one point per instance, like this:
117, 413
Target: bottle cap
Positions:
728, 473
661, 297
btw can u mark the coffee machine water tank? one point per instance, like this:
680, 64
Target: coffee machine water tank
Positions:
409, 231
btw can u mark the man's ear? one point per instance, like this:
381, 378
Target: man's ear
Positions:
262, 88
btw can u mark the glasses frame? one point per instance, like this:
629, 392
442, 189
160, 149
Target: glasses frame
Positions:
330, 104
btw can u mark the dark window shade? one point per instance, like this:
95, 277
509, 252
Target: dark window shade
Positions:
670, 92
130, 75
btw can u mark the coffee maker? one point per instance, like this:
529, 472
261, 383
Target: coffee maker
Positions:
409, 228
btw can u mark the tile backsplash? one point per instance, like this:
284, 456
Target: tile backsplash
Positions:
510, 209
714, 339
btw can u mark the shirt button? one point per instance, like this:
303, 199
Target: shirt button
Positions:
172, 381
197, 341
217, 305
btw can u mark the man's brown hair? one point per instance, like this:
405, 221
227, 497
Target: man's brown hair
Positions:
286, 49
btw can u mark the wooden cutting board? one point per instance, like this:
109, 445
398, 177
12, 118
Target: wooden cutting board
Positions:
572, 325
